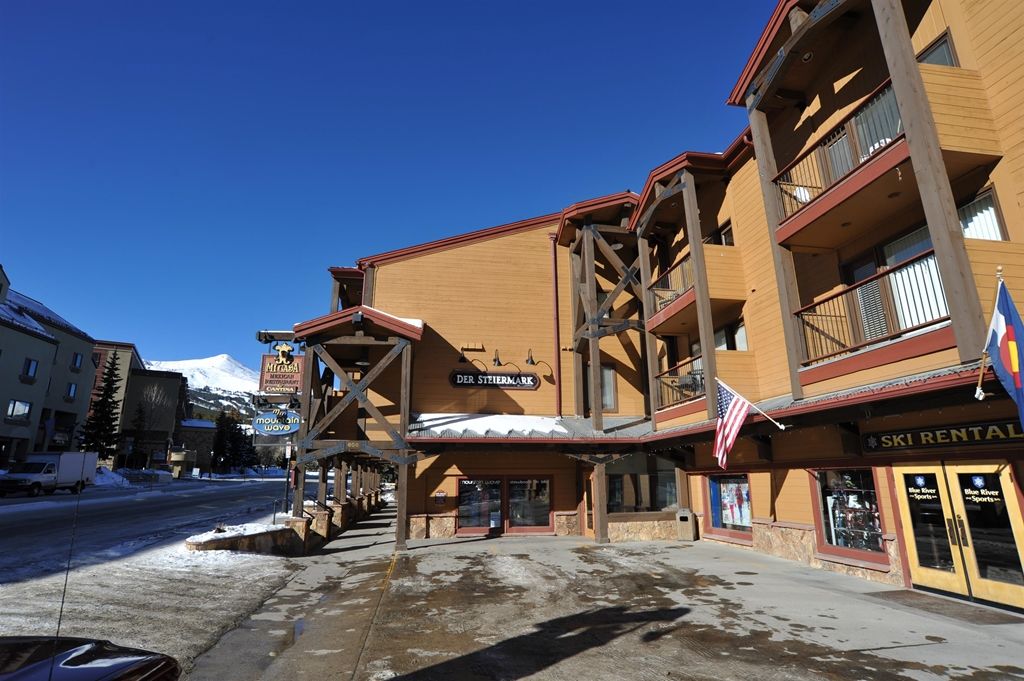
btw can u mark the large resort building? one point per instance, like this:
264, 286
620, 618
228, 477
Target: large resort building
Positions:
836, 266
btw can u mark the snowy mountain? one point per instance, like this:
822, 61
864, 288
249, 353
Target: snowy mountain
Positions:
222, 372
215, 383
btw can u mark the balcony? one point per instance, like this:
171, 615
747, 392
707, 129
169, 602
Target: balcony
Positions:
682, 383
675, 313
860, 173
901, 301
868, 131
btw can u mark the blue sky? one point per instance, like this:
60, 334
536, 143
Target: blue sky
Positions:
181, 174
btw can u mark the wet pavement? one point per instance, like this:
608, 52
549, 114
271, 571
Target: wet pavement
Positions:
565, 608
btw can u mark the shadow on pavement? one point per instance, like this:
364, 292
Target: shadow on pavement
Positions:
553, 641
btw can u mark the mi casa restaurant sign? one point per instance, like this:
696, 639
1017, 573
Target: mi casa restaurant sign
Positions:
946, 436
488, 379
281, 373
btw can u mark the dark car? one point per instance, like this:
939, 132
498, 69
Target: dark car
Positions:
30, 658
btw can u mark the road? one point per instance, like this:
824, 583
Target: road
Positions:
132, 580
35, 534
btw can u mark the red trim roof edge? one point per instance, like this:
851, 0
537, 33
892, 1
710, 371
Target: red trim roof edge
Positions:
383, 319
457, 240
582, 207
756, 57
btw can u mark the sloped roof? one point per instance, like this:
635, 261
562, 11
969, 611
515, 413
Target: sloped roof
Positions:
31, 315
407, 328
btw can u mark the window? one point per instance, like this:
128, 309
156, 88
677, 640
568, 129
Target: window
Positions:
76, 360
17, 409
29, 368
849, 509
72, 391
980, 218
939, 52
609, 401
96, 359
722, 236
731, 337
730, 502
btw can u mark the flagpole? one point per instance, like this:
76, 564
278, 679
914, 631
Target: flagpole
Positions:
978, 392
752, 405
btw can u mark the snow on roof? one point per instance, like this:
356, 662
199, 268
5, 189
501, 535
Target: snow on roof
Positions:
197, 423
16, 316
43, 314
418, 323
483, 425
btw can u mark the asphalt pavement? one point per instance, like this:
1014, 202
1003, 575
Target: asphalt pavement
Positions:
564, 608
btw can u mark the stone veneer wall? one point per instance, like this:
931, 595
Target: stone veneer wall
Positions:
798, 543
566, 523
642, 530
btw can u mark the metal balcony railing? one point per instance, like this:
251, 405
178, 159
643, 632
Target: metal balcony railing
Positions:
906, 298
867, 131
681, 383
675, 281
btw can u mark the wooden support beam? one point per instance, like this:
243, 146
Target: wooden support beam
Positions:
359, 340
764, 447
599, 487
937, 198
340, 480
650, 341
335, 296
369, 277
782, 258
702, 292
321, 488
594, 368
306, 415
402, 507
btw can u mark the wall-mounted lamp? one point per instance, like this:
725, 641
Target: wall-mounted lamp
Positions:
498, 363
530, 361
497, 360
462, 357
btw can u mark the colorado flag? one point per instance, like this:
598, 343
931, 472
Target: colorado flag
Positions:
1004, 346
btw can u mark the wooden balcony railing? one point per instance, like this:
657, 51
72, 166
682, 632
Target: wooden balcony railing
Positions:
681, 383
906, 298
676, 281
868, 130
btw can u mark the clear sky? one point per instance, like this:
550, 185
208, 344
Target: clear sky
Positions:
179, 174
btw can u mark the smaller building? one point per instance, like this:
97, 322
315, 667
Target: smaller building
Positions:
45, 372
155, 403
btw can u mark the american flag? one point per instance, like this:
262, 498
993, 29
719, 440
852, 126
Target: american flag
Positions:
732, 411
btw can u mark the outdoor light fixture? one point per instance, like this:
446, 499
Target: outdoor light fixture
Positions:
462, 357
497, 360
362, 363
530, 361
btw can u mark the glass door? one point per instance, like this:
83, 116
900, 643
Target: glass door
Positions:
480, 505
963, 529
988, 518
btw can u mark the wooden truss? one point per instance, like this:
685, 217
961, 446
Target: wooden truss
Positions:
593, 317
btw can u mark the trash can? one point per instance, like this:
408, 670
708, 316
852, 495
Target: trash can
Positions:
686, 525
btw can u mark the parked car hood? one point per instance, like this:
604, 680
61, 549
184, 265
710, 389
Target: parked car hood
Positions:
29, 658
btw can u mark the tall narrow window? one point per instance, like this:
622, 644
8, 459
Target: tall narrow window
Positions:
76, 360
849, 509
29, 368
609, 401
72, 391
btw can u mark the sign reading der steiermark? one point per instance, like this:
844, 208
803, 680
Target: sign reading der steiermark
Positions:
488, 379
281, 374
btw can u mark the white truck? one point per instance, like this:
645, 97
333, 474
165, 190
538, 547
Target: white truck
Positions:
49, 472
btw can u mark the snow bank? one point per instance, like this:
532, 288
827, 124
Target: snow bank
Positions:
107, 478
481, 423
234, 531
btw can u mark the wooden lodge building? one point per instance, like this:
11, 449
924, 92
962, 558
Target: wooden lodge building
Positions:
836, 265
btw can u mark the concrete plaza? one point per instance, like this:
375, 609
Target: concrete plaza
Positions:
565, 608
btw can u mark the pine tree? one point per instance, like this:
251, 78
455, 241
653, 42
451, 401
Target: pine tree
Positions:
100, 431
221, 440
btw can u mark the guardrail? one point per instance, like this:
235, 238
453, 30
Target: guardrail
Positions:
906, 298
674, 282
681, 383
868, 130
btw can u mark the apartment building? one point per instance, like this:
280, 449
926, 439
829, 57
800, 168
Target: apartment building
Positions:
836, 265
45, 370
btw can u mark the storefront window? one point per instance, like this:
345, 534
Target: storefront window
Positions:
529, 503
730, 502
480, 503
849, 509
641, 484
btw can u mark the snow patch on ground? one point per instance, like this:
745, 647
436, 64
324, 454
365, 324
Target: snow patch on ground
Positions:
108, 478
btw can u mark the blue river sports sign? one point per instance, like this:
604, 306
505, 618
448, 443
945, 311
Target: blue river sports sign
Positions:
277, 422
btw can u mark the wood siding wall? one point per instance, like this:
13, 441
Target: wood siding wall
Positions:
961, 110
